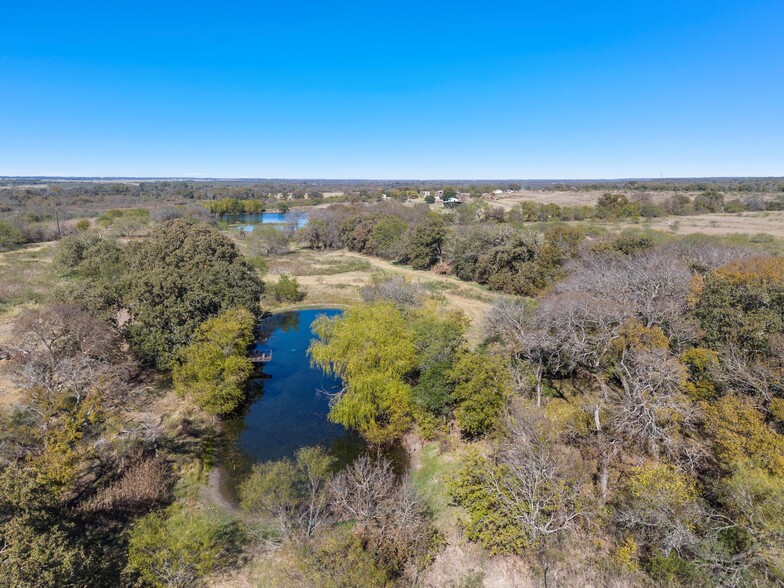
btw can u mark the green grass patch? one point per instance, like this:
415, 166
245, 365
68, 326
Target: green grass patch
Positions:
331, 267
429, 480
474, 294
437, 286
26, 277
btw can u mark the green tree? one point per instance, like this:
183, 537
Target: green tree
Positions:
482, 385
371, 347
286, 289
386, 237
425, 241
214, 368
183, 274
290, 495
179, 546
11, 236
742, 303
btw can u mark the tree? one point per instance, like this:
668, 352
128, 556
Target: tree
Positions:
481, 388
386, 237
267, 240
38, 552
652, 287
11, 236
742, 303
371, 348
529, 494
286, 289
386, 512
424, 242
291, 495
661, 505
649, 406
182, 275
214, 368
741, 435
179, 546
395, 288
39, 547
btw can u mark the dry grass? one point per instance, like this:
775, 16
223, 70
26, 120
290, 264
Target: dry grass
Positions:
26, 276
335, 278
590, 197
748, 223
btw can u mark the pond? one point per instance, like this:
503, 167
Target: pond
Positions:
290, 401
246, 222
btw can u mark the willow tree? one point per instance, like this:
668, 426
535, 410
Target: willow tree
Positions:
213, 369
371, 347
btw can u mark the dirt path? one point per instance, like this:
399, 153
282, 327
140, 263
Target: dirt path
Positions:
342, 287
212, 493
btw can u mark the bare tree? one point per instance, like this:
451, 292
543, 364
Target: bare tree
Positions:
65, 355
652, 287
540, 482
649, 407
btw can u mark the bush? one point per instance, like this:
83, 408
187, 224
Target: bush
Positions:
11, 237
286, 289
179, 546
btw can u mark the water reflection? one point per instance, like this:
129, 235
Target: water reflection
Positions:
291, 220
289, 402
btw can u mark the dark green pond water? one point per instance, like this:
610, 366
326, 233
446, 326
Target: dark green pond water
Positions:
289, 404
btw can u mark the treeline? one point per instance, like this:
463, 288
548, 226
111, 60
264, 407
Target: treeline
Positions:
758, 185
647, 415
616, 206
504, 258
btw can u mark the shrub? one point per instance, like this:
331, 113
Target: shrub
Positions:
179, 546
286, 289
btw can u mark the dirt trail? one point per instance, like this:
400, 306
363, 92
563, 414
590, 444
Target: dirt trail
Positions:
342, 288
211, 493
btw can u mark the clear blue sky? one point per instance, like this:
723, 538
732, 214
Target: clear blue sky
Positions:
393, 89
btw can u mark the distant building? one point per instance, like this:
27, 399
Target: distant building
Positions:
498, 191
424, 193
452, 202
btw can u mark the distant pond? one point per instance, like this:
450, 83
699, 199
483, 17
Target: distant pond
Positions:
290, 402
246, 222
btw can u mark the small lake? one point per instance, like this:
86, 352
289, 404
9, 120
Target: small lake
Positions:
289, 403
246, 222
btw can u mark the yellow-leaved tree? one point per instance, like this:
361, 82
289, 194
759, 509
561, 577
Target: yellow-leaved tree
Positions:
371, 347
214, 368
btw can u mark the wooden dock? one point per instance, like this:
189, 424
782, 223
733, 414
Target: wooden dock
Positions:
260, 356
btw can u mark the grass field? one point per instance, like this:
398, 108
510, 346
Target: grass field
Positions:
335, 278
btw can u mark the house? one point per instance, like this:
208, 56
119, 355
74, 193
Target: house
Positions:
452, 202
496, 192
424, 193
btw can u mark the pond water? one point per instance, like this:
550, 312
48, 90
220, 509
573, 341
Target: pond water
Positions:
290, 401
247, 222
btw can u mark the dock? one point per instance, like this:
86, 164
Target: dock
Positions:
260, 356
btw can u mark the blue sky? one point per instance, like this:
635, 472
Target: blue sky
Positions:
393, 89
